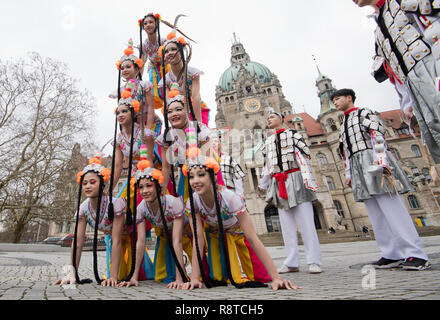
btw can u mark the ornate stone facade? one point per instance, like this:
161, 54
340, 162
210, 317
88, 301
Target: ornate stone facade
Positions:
246, 89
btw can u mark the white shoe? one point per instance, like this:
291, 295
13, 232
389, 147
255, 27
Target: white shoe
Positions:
314, 268
286, 269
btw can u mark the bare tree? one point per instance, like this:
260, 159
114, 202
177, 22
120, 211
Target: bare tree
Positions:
42, 116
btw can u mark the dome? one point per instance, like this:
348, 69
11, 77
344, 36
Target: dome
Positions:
297, 119
228, 77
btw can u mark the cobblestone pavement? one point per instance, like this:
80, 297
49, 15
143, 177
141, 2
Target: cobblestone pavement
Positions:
26, 273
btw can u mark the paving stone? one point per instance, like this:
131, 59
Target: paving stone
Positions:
341, 280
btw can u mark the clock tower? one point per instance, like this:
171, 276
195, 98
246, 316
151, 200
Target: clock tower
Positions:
244, 92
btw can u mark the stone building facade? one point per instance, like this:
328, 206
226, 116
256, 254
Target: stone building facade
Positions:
246, 91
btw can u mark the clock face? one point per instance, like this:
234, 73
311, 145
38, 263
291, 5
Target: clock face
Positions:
252, 105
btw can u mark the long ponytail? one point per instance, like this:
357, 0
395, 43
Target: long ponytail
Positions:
134, 234
167, 125
111, 211
129, 220
167, 233
95, 238
75, 237
205, 279
247, 284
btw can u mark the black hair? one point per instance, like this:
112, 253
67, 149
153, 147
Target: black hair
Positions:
187, 93
209, 283
130, 165
134, 238
95, 238
247, 284
167, 124
342, 93
111, 211
278, 114
75, 237
131, 217
169, 238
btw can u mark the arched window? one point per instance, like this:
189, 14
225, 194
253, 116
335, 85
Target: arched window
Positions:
322, 159
232, 98
227, 100
330, 183
426, 173
416, 150
339, 209
413, 202
272, 219
332, 125
341, 119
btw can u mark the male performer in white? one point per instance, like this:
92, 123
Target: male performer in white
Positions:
377, 180
288, 182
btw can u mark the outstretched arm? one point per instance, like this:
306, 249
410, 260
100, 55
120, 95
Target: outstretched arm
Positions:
70, 279
256, 244
140, 250
196, 273
177, 244
119, 158
195, 95
117, 225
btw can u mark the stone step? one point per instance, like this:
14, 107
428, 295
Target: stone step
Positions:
275, 238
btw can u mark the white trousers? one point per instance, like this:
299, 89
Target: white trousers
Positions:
302, 215
393, 228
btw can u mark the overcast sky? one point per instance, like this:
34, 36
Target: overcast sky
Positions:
90, 36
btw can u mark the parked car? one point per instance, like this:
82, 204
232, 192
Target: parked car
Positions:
100, 244
51, 240
66, 241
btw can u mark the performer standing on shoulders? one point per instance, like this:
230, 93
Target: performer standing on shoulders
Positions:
173, 52
377, 180
149, 53
289, 184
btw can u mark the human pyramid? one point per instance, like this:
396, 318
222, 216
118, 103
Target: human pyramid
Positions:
181, 184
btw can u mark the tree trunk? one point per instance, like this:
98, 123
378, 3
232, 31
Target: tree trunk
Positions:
18, 232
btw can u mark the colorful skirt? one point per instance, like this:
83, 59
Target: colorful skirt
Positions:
146, 271
240, 253
164, 266
155, 75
